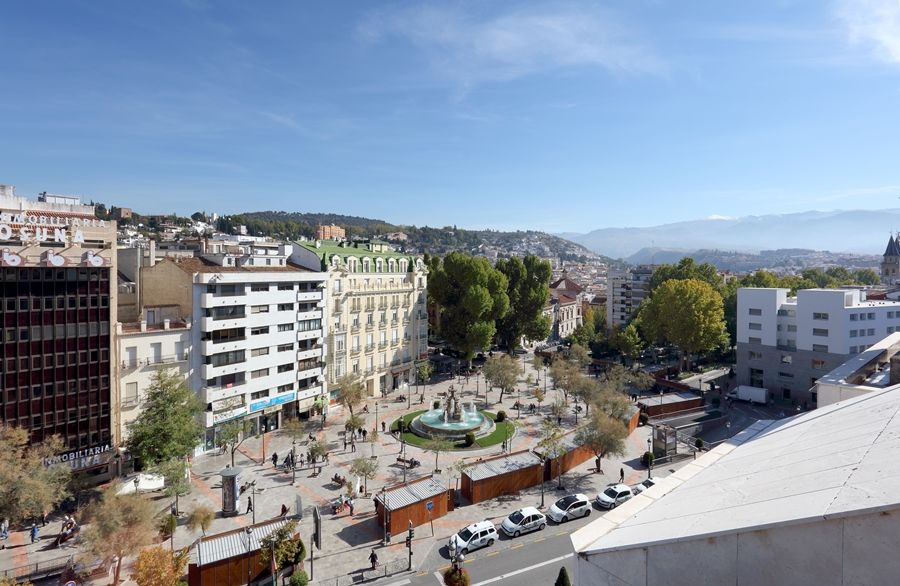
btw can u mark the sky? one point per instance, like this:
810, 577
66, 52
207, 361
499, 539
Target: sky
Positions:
559, 116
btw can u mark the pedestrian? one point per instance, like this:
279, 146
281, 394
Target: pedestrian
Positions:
352, 447
345, 443
373, 557
4, 529
382, 426
301, 460
621, 475
326, 457
44, 518
275, 460
34, 532
364, 434
559, 420
350, 504
284, 510
249, 505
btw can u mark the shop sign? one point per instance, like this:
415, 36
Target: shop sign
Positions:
34, 228
82, 459
272, 402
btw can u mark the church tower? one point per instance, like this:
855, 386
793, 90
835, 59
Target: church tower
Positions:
890, 264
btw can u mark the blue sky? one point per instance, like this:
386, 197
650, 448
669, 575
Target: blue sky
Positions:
562, 116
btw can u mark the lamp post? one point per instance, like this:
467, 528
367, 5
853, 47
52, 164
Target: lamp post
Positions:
248, 532
253, 497
456, 556
543, 468
650, 455
293, 463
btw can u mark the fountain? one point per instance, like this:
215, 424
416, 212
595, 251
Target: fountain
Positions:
453, 421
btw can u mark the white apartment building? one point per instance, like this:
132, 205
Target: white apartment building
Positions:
258, 332
626, 291
785, 344
144, 348
378, 326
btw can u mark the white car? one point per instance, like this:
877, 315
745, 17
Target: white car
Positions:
523, 521
614, 496
642, 486
570, 507
475, 536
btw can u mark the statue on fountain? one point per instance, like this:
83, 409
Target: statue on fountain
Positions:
452, 409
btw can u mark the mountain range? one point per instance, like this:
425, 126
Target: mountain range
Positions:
856, 231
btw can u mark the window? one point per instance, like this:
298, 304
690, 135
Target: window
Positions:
286, 367
226, 358
754, 326
819, 348
756, 377
285, 327
227, 312
286, 388
853, 317
228, 335
259, 373
870, 332
285, 347
257, 331
749, 340
285, 307
259, 395
853, 333
820, 332
131, 393
854, 349
890, 315
819, 364
871, 315
309, 325
259, 309
259, 286
820, 316
259, 352
787, 312
754, 311
791, 327
285, 286
785, 375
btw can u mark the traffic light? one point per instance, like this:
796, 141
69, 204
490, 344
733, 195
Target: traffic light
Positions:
409, 535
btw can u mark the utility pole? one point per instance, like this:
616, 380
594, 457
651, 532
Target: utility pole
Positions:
409, 538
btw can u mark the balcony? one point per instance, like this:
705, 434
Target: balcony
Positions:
129, 402
354, 327
370, 347
169, 359
208, 324
313, 352
355, 350
209, 301
309, 296
309, 335
212, 347
314, 314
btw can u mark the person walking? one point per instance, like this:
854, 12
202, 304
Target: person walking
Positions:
350, 504
364, 434
345, 443
4, 529
249, 505
34, 532
382, 426
44, 518
621, 475
275, 460
373, 557
352, 446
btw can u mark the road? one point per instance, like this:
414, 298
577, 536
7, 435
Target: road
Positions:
540, 554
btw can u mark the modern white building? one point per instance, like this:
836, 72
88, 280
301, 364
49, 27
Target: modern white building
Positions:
873, 369
378, 326
145, 348
810, 500
785, 344
626, 291
258, 335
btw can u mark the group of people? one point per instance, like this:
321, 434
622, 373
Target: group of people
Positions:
342, 503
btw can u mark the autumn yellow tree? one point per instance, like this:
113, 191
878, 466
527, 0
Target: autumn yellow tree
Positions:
157, 566
119, 525
28, 486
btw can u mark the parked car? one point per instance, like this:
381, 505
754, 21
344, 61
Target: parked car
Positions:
642, 486
570, 507
523, 521
475, 536
614, 496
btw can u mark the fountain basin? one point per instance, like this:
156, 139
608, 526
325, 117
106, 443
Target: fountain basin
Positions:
434, 424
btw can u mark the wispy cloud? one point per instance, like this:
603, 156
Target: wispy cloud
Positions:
465, 47
873, 22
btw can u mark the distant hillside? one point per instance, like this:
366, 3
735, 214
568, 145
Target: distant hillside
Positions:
781, 260
437, 241
861, 231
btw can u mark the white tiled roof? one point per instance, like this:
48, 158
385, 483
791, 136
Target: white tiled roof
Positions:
498, 466
234, 543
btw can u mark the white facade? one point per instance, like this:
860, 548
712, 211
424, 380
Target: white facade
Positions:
870, 370
626, 291
807, 500
143, 350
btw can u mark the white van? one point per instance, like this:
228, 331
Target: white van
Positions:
475, 536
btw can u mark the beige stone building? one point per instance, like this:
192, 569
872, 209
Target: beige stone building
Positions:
378, 325
330, 232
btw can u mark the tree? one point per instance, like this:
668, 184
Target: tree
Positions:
457, 576
169, 425
564, 373
687, 313
866, 277
472, 297
119, 525
603, 435
528, 288
437, 446
355, 421
539, 395
28, 487
351, 391
551, 445
177, 479
537, 362
686, 268
558, 408
586, 389
316, 450
614, 404
367, 468
201, 518
423, 372
157, 566
579, 355
233, 433
289, 548
504, 372
630, 343
563, 578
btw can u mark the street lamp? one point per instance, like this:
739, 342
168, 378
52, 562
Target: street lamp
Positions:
649, 456
248, 531
293, 461
456, 557
543, 469
253, 498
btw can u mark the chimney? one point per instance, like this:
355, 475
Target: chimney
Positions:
166, 324
143, 325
